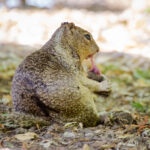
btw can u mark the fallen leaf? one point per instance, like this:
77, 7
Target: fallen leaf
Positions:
86, 147
70, 124
6, 99
24, 145
125, 136
38, 126
107, 146
26, 136
48, 143
1, 126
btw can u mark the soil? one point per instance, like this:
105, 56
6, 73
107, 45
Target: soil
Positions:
125, 123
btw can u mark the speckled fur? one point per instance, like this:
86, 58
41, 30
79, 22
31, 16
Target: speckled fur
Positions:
51, 82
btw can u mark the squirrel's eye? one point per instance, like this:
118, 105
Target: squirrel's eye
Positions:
87, 36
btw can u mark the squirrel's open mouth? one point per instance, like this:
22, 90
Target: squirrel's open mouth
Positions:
93, 68
91, 55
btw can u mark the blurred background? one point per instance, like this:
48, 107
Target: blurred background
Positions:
120, 27
117, 25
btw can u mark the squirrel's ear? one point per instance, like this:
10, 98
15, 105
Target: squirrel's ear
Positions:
70, 25
64, 23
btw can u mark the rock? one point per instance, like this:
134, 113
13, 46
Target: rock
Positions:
146, 133
116, 117
47, 143
89, 134
69, 135
21, 130
121, 117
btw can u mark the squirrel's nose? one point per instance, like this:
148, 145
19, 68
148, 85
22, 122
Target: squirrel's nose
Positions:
97, 49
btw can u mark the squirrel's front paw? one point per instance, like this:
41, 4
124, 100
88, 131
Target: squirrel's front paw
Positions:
104, 88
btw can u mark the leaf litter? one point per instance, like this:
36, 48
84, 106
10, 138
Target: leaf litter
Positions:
126, 96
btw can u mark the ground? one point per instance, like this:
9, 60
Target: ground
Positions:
130, 92
123, 38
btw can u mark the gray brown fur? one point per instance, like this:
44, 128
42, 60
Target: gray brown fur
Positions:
51, 82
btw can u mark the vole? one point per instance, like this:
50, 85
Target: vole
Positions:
51, 81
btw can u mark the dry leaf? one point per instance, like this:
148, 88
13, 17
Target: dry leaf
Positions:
86, 147
26, 136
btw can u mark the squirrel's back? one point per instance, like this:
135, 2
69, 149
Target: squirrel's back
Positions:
49, 81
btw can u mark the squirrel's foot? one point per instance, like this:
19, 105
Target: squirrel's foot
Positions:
104, 88
104, 83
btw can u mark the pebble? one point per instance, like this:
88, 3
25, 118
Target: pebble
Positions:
89, 134
21, 130
69, 135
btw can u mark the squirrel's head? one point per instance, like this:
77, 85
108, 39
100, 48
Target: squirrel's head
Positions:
79, 40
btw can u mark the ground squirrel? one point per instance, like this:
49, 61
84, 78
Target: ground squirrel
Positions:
51, 82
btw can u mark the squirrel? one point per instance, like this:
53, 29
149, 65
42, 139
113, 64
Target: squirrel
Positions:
51, 82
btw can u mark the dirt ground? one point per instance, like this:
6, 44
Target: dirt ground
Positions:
130, 93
